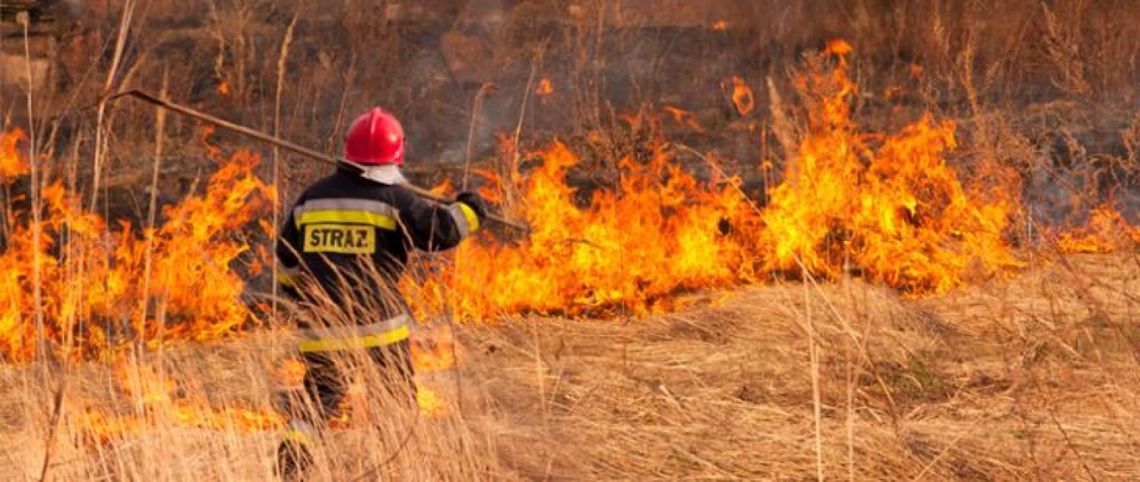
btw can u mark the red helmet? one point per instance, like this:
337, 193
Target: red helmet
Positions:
375, 138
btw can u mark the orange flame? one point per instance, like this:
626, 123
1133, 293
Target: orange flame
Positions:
204, 134
898, 211
886, 205
12, 162
545, 87
742, 96
104, 285
1106, 231
493, 190
157, 404
443, 188
838, 47
434, 350
720, 25
143, 382
684, 117
290, 373
429, 403
660, 232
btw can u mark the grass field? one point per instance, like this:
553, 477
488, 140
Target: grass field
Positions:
1027, 378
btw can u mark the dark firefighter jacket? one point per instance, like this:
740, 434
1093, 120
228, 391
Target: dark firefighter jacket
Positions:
346, 242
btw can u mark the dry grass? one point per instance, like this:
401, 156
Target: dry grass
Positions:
1033, 377
1014, 380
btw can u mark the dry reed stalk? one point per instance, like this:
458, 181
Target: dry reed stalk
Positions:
813, 356
476, 107
282, 57
152, 206
507, 172
782, 125
539, 375
37, 275
342, 106
37, 202
850, 408
101, 141
100, 129
942, 455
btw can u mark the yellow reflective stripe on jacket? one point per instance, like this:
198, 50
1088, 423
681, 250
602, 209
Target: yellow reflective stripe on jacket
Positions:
472, 218
355, 343
345, 216
464, 217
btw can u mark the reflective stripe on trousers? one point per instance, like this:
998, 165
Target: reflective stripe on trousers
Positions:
300, 432
387, 332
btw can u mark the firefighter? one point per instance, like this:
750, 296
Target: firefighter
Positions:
342, 248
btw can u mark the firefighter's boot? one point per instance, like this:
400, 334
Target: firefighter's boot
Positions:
295, 453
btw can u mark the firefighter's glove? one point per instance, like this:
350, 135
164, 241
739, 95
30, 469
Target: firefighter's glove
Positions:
475, 202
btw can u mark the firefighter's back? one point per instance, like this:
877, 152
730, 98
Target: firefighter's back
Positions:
349, 240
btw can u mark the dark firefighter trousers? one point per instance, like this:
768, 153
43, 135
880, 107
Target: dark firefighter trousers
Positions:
326, 385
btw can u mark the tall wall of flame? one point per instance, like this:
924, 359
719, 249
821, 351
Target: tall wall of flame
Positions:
887, 205
101, 285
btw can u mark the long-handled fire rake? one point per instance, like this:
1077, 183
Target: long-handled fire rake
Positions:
291, 147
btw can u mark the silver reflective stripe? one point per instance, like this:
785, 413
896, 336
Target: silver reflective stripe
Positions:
460, 219
347, 204
350, 332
